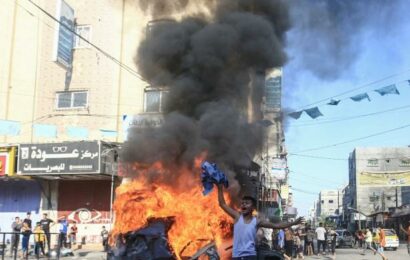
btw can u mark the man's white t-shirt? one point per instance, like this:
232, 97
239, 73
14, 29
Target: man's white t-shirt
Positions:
320, 233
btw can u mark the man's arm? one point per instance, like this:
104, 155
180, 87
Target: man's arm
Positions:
267, 224
221, 200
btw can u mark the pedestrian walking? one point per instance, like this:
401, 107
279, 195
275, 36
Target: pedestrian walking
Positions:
407, 232
246, 225
46, 223
39, 239
368, 242
104, 236
26, 232
382, 241
321, 239
15, 237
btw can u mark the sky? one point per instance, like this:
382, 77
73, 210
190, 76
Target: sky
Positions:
333, 48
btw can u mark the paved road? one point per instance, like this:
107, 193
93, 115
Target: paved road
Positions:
355, 254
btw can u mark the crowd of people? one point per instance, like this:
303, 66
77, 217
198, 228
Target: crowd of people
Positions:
298, 241
23, 230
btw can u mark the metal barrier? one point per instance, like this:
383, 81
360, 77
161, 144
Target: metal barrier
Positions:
12, 242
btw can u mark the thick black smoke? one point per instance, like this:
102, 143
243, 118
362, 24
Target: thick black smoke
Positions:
328, 36
208, 67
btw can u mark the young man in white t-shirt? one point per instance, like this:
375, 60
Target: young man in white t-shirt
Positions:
321, 239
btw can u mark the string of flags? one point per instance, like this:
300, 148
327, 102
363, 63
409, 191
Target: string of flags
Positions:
314, 112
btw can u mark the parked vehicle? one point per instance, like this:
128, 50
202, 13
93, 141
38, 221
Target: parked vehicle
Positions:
344, 238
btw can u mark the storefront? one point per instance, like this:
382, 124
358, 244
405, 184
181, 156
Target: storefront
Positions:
17, 195
77, 180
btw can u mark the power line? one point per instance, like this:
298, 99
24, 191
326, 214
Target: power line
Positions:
353, 140
122, 65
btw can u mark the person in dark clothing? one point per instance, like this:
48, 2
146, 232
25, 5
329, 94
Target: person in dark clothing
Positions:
28, 220
15, 238
45, 223
104, 236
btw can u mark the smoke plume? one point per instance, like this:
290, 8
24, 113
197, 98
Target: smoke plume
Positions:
327, 36
208, 66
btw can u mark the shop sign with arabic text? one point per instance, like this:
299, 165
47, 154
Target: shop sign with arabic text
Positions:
60, 158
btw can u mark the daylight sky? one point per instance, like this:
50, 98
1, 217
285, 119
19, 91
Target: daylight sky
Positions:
343, 47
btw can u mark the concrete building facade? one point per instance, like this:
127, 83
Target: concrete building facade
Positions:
379, 180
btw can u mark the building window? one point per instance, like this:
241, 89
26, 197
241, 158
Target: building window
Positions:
85, 32
155, 101
72, 99
330, 201
373, 163
405, 162
322, 202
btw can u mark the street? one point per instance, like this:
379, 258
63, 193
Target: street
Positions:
355, 254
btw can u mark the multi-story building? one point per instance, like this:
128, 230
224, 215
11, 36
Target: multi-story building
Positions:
65, 89
328, 203
379, 181
68, 93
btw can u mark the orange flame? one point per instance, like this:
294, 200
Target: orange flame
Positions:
177, 193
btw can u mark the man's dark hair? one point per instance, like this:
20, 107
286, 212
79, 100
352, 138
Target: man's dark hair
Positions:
250, 198
45, 214
320, 224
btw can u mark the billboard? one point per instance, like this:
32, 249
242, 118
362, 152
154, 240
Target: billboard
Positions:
7, 160
64, 38
60, 158
399, 178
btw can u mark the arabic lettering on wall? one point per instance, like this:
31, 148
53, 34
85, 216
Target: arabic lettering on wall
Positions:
59, 158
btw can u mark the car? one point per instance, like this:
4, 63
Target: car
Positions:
344, 238
392, 240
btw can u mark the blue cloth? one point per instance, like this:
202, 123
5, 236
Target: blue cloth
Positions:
43, 130
391, 89
334, 102
210, 175
295, 115
244, 237
313, 112
360, 97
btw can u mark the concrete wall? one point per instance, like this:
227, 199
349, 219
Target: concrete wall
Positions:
373, 198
